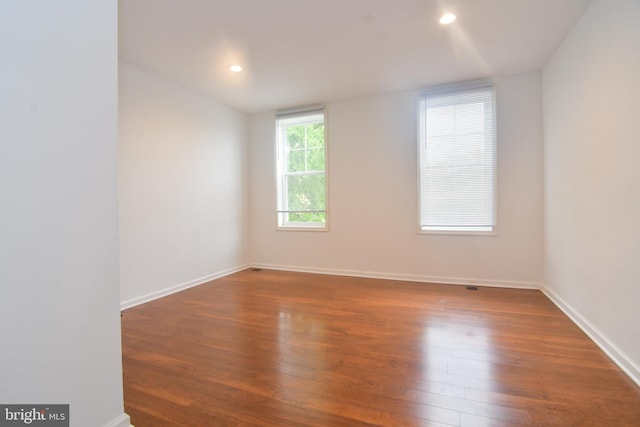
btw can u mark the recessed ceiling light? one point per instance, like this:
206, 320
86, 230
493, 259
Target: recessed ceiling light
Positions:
235, 68
447, 18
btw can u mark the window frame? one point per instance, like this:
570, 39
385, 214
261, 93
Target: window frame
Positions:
452, 89
302, 116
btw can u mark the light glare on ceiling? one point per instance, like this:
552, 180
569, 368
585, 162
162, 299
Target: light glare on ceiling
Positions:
235, 68
447, 18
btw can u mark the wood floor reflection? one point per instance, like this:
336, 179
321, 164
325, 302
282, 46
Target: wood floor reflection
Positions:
272, 348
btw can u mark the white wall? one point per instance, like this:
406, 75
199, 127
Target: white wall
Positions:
373, 196
592, 177
59, 313
183, 187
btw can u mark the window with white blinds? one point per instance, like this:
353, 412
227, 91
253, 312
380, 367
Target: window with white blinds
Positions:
457, 163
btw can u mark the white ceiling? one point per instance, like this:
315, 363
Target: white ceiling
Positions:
299, 52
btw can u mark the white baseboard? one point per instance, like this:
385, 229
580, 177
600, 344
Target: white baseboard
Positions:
405, 277
180, 287
122, 421
617, 356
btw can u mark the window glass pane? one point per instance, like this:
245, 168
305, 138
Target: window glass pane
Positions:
307, 217
305, 147
306, 192
315, 159
295, 137
296, 161
315, 135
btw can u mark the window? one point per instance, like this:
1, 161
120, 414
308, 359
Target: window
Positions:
301, 170
457, 159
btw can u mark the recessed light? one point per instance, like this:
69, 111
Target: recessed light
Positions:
235, 68
447, 18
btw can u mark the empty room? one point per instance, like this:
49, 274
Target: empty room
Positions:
338, 213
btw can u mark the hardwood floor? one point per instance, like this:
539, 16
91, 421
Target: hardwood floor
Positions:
272, 348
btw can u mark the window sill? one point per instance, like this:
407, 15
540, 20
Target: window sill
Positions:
299, 228
492, 233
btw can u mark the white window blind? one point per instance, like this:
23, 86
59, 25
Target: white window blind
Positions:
457, 159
